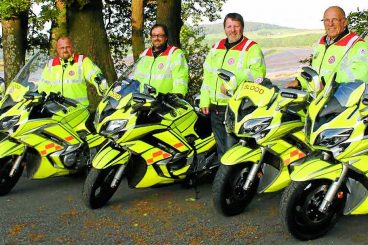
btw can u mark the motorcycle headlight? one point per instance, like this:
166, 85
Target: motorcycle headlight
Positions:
254, 126
8, 122
229, 120
114, 127
332, 137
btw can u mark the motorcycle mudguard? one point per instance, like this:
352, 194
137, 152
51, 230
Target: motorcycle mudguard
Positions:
239, 154
95, 140
109, 156
10, 148
316, 169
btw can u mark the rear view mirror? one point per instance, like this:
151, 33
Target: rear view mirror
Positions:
225, 74
229, 80
311, 80
296, 94
148, 89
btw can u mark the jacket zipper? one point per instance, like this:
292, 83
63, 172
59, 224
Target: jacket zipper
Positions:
223, 59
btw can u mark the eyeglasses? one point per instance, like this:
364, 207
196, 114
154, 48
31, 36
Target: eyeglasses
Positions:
158, 36
333, 20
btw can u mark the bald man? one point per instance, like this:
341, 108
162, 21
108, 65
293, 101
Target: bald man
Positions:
68, 72
339, 50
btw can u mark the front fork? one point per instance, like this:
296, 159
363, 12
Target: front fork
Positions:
17, 163
254, 170
117, 176
332, 190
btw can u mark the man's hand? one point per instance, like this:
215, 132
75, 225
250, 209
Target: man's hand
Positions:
223, 89
205, 110
292, 84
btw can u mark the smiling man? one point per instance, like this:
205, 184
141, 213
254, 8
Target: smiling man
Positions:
163, 66
340, 50
237, 54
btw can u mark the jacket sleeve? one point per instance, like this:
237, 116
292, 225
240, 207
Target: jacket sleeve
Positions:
254, 66
90, 71
359, 62
45, 76
206, 84
180, 73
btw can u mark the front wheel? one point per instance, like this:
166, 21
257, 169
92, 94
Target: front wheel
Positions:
229, 197
97, 189
6, 182
299, 209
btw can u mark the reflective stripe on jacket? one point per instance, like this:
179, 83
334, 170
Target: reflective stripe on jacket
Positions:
69, 78
245, 60
330, 59
167, 73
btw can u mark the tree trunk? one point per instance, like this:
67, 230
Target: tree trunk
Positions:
14, 44
169, 13
59, 26
137, 27
86, 28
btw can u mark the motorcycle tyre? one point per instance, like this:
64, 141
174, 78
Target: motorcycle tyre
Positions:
294, 212
6, 182
223, 189
97, 189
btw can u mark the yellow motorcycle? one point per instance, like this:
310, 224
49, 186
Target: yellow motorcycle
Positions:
154, 140
269, 123
46, 134
336, 182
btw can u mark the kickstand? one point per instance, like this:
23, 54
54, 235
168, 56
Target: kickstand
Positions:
196, 190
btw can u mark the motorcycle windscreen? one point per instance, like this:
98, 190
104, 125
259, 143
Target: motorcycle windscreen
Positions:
27, 78
349, 94
119, 90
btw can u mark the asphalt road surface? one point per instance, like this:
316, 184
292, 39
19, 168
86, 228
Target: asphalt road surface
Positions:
51, 211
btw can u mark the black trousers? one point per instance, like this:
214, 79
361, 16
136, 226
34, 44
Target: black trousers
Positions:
224, 141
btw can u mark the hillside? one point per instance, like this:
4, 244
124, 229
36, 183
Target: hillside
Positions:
267, 35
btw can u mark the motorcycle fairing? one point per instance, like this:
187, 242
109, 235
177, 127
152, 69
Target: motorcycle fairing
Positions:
316, 169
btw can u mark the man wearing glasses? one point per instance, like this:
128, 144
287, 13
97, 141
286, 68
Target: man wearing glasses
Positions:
340, 51
163, 66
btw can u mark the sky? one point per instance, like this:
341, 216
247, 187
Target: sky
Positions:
290, 13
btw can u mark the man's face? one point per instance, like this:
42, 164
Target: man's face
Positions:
334, 22
64, 48
233, 30
158, 37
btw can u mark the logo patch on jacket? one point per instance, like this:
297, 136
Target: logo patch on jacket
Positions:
231, 61
331, 60
160, 66
71, 73
362, 51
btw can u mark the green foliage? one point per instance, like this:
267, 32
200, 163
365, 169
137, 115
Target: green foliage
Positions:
11, 8
358, 21
196, 10
117, 14
192, 40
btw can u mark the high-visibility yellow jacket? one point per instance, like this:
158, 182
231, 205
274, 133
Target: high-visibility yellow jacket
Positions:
348, 57
167, 73
69, 78
245, 60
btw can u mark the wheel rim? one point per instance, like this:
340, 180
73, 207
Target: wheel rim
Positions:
307, 213
4, 172
103, 184
236, 190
